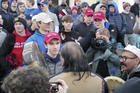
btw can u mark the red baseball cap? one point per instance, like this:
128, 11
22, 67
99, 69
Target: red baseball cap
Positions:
99, 15
51, 35
88, 12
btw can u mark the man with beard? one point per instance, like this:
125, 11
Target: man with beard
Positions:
130, 61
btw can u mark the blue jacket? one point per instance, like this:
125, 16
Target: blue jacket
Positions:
32, 11
75, 18
39, 39
115, 18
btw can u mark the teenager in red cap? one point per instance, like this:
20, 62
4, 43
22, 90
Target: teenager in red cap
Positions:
52, 43
87, 25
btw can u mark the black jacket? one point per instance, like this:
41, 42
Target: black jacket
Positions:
132, 85
69, 36
5, 49
8, 21
83, 29
86, 41
135, 9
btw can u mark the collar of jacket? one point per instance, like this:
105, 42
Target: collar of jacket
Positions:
38, 33
26, 32
135, 72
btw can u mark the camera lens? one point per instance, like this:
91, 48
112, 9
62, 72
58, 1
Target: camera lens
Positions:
54, 87
100, 43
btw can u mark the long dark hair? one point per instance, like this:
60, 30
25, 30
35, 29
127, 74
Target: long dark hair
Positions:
74, 59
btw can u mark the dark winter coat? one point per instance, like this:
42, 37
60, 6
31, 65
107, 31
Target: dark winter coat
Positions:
7, 43
106, 56
8, 22
54, 65
69, 36
128, 21
132, 85
135, 9
83, 29
115, 18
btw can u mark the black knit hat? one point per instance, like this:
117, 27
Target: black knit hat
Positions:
18, 19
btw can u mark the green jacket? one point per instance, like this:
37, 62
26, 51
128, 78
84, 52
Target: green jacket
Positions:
94, 56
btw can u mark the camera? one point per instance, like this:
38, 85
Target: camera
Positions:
54, 87
99, 43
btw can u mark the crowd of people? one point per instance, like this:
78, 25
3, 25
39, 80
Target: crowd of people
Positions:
62, 49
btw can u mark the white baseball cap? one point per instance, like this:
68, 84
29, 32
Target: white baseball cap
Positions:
43, 17
34, 17
131, 48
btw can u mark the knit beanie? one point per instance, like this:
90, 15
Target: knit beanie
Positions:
74, 8
126, 4
18, 19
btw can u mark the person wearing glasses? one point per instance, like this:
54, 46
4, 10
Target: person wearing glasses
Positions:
130, 63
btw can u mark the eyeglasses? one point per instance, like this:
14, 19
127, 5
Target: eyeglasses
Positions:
124, 58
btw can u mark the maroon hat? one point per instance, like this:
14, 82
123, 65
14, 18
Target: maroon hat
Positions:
126, 4
99, 15
51, 35
88, 12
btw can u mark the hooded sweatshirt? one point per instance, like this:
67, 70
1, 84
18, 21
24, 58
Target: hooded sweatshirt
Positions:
115, 18
19, 45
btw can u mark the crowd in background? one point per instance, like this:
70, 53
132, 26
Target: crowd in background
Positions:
82, 45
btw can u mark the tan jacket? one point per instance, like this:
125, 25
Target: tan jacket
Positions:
88, 84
